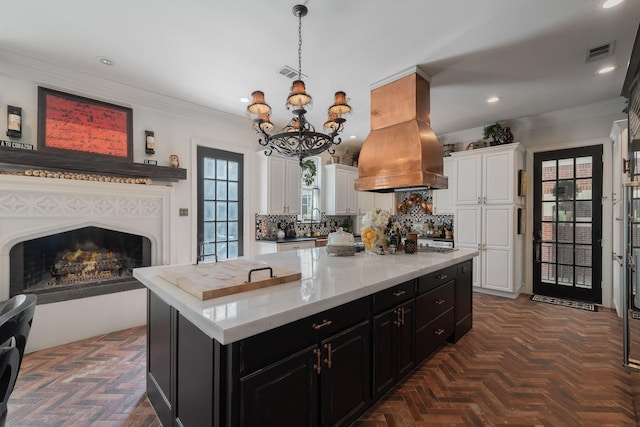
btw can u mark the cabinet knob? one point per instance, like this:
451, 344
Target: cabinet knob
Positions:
439, 331
439, 301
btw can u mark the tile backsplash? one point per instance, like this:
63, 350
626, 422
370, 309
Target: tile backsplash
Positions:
415, 219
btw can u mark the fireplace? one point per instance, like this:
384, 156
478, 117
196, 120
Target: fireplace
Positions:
33, 207
79, 263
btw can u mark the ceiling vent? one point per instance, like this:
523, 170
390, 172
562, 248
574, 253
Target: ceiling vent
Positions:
290, 72
600, 52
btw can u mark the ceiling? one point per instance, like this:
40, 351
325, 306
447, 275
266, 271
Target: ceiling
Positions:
212, 52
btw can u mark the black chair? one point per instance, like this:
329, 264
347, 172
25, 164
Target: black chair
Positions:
16, 317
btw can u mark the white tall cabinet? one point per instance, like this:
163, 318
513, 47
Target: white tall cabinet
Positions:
486, 211
279, 185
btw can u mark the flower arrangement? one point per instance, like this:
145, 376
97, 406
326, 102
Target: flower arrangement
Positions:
375, 225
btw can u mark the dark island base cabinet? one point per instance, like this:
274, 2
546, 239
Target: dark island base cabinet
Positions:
323, 370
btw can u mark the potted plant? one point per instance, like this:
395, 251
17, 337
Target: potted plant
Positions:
494, 132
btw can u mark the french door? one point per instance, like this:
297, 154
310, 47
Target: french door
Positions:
567, 223
220, 213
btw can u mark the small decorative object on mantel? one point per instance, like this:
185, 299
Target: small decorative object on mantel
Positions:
149, 142
16, 144
14, 121
174, 161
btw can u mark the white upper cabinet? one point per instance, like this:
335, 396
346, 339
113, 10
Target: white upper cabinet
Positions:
486, 176
443, 200
368, 201
340, 194
279, 185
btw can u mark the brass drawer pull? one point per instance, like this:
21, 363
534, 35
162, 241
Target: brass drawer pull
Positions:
328, 359
439, 331
439, 301
399, 293
317, 366
441, 276
322, 325
397, 321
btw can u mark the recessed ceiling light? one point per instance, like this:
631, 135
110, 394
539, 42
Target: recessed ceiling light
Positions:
493, 99
243, 100
607, 69
105, 61
611, 3
353, 137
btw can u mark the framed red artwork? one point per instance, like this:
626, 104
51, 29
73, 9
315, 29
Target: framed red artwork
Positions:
69, 122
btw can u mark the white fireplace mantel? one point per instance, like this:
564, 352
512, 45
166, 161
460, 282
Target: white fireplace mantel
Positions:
33, 207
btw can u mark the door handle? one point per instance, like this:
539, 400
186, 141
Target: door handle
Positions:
537, 247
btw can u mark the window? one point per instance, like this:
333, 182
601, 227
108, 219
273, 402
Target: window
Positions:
220, 203
310, 192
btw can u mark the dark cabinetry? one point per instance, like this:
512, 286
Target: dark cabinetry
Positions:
435, 311
325, 384
393, 336
323, 370
464, 300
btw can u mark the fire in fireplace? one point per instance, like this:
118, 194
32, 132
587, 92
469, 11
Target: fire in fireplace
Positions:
79, 263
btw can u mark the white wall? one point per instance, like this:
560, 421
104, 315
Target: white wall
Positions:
568, 128
178, 128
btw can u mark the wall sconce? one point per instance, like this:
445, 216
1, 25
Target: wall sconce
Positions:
14, 121
150, 143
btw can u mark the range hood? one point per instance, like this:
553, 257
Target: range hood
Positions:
402, 153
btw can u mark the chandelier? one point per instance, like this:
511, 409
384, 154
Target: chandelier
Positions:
298, 138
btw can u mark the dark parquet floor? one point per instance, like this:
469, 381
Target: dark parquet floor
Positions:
523, 364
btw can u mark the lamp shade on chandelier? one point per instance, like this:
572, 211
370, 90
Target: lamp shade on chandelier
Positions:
298, 138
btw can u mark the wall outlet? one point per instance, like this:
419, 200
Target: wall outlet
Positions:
183, 212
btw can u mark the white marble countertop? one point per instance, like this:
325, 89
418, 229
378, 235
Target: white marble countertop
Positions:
327, 282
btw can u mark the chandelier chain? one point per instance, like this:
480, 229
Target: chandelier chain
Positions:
299, 46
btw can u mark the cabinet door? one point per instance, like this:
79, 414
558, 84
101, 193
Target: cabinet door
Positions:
464, 300
365, 201
293, 187
498, 178
385, 201
344, 382
282, 394
340, 191
406, 339
351, 199
443, 200
497, 249
468, 180
276, 179
160, 356
384, 351
468, 227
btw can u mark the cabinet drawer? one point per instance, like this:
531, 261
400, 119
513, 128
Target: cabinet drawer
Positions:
398, 294
431, 336
265, 348
435, 279
434, 303
291, 246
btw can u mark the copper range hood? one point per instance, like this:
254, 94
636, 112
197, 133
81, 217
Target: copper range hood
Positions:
402, 153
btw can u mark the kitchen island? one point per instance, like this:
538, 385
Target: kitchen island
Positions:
316, 351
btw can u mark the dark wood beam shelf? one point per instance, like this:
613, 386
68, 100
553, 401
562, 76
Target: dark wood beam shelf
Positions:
90, 164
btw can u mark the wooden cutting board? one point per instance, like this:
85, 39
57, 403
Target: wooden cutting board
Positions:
217, 279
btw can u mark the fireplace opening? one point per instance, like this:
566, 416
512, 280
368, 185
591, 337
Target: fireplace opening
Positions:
79, 263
